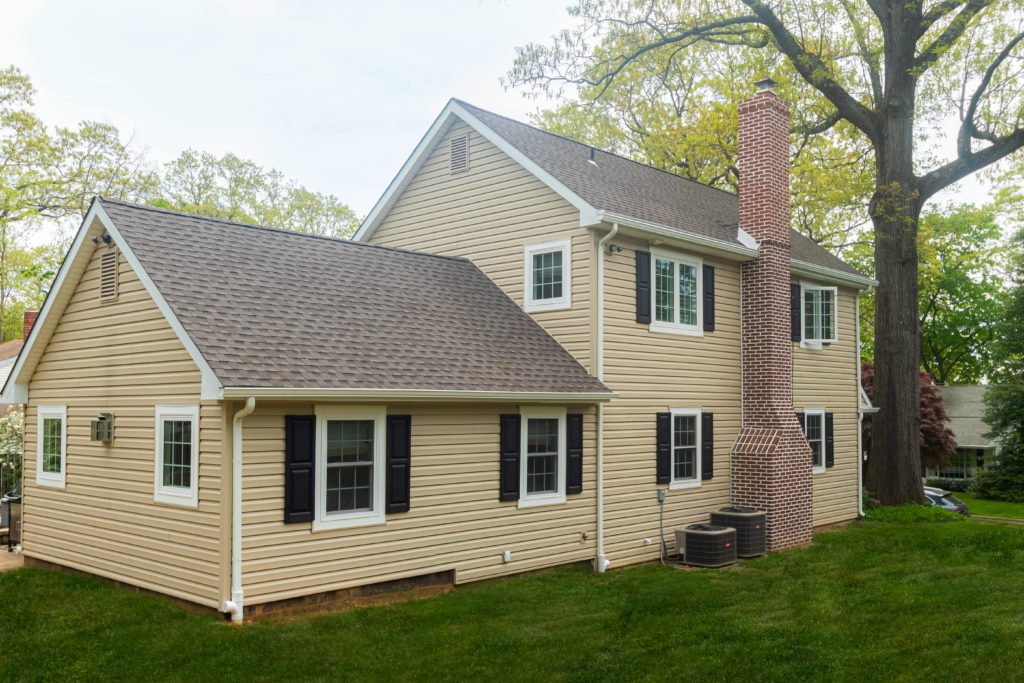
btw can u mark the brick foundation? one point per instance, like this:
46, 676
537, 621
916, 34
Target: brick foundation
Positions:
771, 460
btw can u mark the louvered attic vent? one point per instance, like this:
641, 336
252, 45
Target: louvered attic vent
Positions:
108, 276
460, 154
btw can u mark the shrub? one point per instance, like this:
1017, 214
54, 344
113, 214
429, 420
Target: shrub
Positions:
1004, 481
913, 512
958, 485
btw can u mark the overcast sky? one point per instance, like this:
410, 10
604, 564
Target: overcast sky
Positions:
333, 94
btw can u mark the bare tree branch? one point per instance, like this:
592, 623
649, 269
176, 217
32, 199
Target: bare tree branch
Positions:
964, 165
936, 13
951, 33
968, 128
815, 71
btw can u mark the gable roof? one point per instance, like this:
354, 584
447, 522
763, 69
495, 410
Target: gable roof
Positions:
272, 312
613, 189
965, 405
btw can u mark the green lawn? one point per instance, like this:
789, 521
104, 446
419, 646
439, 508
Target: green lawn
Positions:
889, 599
992, 508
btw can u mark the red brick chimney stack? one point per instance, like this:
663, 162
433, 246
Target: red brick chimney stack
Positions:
771, 463
29, 321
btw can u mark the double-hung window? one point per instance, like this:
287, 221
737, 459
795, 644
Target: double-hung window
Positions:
685, 448
814, 430
819, 314
676, 294
547, 282
542, 461
177, 455
350, 466
51, 445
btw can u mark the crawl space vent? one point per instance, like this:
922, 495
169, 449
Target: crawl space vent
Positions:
460, 154
108, 276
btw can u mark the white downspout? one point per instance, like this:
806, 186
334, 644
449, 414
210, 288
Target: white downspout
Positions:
235, 605
860, 416
602, 560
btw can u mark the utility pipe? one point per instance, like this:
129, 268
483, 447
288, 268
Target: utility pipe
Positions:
602, 561
860, 415
235, 605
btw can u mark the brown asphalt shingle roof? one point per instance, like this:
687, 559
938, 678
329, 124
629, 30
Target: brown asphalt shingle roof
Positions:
270, 308
619, 185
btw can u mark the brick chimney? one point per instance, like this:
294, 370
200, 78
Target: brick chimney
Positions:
29, 321
771, 460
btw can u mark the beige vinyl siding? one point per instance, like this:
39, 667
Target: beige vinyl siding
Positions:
654, 372
456, 521
489, 214
829, 378
122, 358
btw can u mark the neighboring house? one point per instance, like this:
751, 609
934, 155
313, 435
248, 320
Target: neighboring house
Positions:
965, 405
9, 351
295, 415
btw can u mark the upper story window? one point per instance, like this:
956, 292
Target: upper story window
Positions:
350, 454
819, 314
177, 455
542, 461
814, 430
548, 276
51, 445
676, 293
685, 448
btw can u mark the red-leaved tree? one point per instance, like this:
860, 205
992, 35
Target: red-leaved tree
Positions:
937, 441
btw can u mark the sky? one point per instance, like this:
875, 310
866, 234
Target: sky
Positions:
333, 94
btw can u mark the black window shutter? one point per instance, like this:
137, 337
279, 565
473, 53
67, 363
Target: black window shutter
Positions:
399, 463
803, 422
830, 442
643, 286
709, 298
509, 487
797, 322
573, 453
707, 445
664, 453
299, 467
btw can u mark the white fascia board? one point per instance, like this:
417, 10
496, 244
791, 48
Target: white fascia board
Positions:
210, 386
734, 251
588, 214
303, 393
16, 387
831, 275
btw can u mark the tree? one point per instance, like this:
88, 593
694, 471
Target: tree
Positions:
1004, 401
938, 444
960, 287
12, 431
236, 189
892, 69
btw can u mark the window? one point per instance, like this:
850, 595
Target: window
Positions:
685, 448
814, 429
677, 294
177, 455
51, 445
547, 282
542, 461
350, 466
819, 313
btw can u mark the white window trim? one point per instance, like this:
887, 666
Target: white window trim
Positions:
526, 500
818, 344
322, 521
173, 495
531, 305
817, 469
696, 330
52, 479
685, 483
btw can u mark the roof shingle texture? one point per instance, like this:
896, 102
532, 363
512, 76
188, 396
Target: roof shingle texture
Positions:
269, 308
619, 185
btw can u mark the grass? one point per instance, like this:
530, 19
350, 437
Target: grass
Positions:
991, 508
899, 597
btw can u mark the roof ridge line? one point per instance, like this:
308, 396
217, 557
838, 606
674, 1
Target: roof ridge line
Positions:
265, 228
603, 151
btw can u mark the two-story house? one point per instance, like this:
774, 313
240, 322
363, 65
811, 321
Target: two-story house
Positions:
528, 340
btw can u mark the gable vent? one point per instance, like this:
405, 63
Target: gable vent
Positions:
108, 276
460, 154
